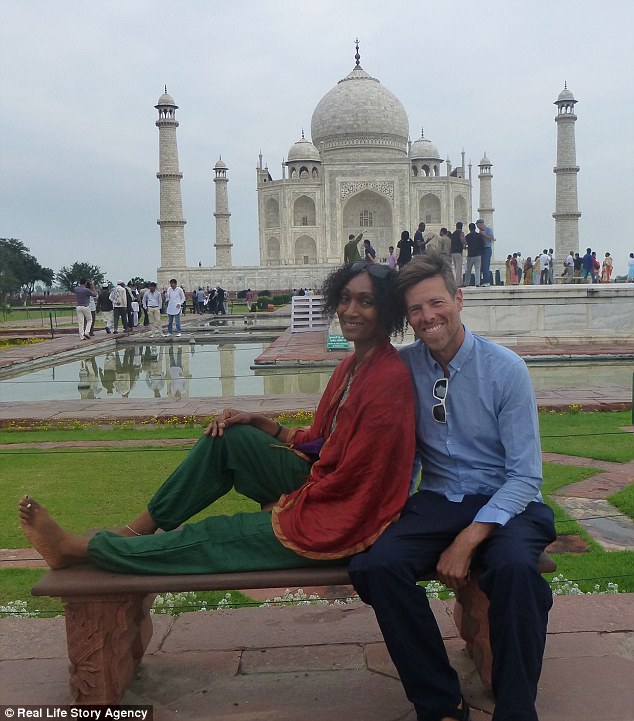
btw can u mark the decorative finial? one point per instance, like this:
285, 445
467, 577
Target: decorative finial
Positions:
165, 89
303, 134
357, 57
565, 85
422, 131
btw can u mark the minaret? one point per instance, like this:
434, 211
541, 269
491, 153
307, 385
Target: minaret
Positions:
223, 232
566, 213
485, 211
171, 219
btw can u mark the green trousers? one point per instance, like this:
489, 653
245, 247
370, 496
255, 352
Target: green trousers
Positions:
244, 458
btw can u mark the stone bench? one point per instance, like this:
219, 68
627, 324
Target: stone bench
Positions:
109, 626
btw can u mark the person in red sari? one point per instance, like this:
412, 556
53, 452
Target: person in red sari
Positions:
326, 492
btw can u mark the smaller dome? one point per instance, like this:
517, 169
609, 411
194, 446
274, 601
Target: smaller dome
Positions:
303, 150
167, 99
424, 149
565, 94
220, 165
485, 160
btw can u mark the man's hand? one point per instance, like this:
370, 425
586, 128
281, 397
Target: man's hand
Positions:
228, 417
454, 562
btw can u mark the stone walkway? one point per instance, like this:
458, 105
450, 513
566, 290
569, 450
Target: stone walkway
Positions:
585, 501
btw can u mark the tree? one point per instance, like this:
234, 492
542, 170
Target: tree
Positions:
32, 271
68, 278
19, 270
138, 282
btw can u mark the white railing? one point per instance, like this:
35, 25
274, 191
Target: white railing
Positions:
306, 314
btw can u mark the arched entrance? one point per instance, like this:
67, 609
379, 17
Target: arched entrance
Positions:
371, 213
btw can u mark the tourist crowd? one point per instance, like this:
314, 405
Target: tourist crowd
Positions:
133, 305
540, 269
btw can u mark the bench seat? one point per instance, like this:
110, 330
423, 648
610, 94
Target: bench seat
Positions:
109, 626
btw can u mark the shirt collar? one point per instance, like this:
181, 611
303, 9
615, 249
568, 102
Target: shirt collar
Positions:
456, 363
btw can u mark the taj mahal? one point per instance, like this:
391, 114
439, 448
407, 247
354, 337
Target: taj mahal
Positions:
359, 171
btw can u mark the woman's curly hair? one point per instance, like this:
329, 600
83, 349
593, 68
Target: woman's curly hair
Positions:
389, 302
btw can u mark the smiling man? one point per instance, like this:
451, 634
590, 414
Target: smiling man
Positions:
478, 503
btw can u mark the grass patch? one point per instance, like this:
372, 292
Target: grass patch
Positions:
588, 435
624, 500
16, 585
596, 568
88, 490
56, 435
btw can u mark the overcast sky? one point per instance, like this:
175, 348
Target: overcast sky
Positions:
80, 78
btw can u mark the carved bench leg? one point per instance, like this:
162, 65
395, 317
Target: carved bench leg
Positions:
471, 615
106, 637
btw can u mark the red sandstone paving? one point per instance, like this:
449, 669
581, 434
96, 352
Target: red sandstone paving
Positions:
587, 666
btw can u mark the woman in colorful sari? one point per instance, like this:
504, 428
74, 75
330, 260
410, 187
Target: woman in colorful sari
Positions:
606, 269
528, 271
326, 492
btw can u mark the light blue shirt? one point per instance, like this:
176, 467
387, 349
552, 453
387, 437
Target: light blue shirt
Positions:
487, 236
490, 442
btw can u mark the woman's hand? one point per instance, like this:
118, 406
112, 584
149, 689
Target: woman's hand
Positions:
228, 417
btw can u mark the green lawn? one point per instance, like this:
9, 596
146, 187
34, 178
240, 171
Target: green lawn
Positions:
624, 500
101, 488
589, 435
91, 489
121, 433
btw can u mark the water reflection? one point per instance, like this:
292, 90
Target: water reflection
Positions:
203, 370
163, 371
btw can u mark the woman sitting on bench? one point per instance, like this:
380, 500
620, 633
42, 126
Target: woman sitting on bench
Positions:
326, 492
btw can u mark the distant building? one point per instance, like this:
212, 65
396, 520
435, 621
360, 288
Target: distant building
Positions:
360, 172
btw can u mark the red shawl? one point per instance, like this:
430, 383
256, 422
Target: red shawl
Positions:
361, 480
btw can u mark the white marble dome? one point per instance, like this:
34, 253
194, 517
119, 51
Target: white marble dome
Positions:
565, 94
424, 149
167, 99
359, 111
303, 150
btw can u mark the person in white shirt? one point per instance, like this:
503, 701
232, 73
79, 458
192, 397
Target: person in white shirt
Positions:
175, 301
152, 302
569, 266
544, 259
119, 299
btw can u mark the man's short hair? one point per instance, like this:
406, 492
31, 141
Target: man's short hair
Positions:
429, 265
459, 225
351, 236
479, 221
151, 283
173, 280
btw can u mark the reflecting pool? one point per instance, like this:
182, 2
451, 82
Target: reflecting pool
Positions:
219, 369
162, 371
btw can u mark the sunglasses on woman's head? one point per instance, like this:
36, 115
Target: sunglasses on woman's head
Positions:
378, 271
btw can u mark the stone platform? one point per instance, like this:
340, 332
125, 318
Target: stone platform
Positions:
325, 663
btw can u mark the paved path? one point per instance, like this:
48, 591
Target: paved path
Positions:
586, 501
325, 663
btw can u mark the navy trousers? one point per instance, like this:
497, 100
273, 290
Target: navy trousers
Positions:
385, 578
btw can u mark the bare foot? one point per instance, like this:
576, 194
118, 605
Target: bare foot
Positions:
58, 547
